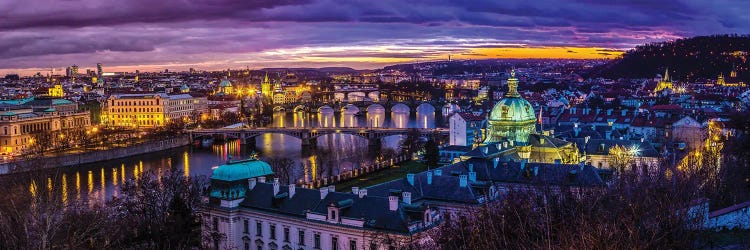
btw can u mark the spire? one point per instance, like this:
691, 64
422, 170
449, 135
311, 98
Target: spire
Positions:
666, 74
512, 85
265, 80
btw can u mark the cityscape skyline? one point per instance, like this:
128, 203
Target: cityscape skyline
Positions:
234, 34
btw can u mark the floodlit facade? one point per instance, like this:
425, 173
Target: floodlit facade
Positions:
150, 110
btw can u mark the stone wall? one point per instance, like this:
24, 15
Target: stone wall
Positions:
96, 156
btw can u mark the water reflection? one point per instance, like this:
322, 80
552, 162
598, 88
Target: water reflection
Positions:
334, 153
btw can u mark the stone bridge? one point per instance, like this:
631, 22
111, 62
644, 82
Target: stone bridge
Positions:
362, 106
309, 136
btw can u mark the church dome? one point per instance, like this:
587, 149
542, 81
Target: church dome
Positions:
512, 118
241, 170
513, 107
225, 83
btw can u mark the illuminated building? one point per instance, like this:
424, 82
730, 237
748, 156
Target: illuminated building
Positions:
731, 81
664, 83
150, 110
24, 122
56, 91
511, 130
251, 213
226, 87
265, 87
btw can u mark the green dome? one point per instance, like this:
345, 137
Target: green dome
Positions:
512, 109
241, 170
225, 83
512, 118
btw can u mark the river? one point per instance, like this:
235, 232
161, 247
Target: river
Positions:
334, 153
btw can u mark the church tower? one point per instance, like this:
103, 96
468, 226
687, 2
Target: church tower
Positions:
664, 83
265, 87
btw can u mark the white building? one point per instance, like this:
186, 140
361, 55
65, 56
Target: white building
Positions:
465, 129
246, 212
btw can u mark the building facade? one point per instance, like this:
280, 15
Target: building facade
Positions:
150, 110
246, 212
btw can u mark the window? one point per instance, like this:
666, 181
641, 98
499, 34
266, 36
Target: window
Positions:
247, 246
373, 246
301, 237
245, 226
317, 240
352, 245
258, 229
216, 224
286, 234
334, 243
273, 231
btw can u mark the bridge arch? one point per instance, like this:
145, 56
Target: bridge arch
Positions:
279, 109
374, 96
356, 96
350, 109
375, 108
400, 108
426, 108
301, 108
325, 109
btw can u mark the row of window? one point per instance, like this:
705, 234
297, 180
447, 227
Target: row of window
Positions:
121, 110
300, 236
135, 103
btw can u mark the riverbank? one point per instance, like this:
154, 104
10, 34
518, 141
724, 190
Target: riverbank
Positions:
93, 156
382, 176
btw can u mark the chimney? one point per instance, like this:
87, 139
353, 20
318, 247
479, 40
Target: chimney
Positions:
331, 188
473, 176
462, 180
355, 190
624, 112
586, 139
471, 167
292, 189
406, 196
362, 193
323, 192
505, 144
438, 172
608, 134
410, 179
393, 203
523, 164
499, 146
429, 177
251, 183
598, 110
275, 186
496, 161
552, 132
262, 179
609, 112
573, 110
541, 140
536, 171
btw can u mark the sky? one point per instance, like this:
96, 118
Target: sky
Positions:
151, 35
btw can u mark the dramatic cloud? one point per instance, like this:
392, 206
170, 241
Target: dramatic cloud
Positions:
214, 34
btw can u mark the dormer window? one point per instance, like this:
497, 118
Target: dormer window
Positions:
333, 214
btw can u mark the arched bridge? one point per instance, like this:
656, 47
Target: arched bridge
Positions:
309, 136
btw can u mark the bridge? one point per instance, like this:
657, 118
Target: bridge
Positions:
388, 106
309, 136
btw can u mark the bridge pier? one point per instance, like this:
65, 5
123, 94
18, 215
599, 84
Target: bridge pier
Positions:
309, 142
374, 144
248, 141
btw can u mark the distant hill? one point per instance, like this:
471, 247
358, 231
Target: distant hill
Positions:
702, 57
324, 69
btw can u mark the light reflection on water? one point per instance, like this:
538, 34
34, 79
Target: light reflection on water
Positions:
335, 153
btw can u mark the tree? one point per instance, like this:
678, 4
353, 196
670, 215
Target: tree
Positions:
431, 153
283, 168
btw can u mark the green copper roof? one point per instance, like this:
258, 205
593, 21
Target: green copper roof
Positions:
60, 102
225, 83
241, 170
512, 109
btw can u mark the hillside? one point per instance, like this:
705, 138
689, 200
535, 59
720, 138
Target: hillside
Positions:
696, 58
